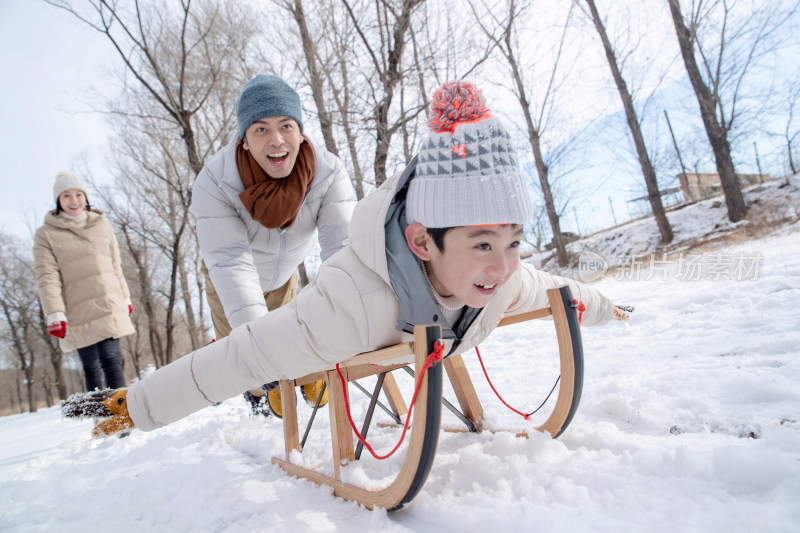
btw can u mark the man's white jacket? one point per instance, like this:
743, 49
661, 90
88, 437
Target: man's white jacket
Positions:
246, 259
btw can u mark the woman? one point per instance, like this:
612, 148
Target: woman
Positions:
83, 292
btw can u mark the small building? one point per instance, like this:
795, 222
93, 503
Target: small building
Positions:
640, 207
699, 186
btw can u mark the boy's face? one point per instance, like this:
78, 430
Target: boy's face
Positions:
274, 142
475, 262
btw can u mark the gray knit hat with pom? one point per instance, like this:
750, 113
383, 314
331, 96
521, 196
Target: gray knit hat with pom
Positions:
467, 172
66, 181
266, 96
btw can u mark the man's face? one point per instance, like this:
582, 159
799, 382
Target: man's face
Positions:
274, 142
475, 263
72, 202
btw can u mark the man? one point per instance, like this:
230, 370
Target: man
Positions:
259, 203
438, 243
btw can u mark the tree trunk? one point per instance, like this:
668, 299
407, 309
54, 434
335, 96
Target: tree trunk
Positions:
194, 330
717, 136
302, 274
29, 381
48, 394
541, 168
309, 50
648, 171
57, 358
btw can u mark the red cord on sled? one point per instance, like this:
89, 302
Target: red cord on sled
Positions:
432, 359
526, 416
580, 307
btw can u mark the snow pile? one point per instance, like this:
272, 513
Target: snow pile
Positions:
689, 421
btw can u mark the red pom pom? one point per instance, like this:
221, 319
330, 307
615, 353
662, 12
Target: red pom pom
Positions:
454, 103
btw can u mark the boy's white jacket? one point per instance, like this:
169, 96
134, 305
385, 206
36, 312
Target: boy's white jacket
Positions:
246, 259
350, 308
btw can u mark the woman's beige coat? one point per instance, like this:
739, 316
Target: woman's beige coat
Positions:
78, 272
350, 308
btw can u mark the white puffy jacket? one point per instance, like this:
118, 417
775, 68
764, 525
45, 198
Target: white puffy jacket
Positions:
246, 259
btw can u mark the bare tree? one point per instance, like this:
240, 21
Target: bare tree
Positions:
726, 56
19, 308
648, 171
56, 356
503, 34
184, 63
152, 213
177, 53
315, 77
384, 44
790, 131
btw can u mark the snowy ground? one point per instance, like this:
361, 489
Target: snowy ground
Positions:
689, 421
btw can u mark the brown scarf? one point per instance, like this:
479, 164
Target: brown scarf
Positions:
275, 203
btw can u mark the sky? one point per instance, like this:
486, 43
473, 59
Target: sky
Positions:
688, 422
47, 64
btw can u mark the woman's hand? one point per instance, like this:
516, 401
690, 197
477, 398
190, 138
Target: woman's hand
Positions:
57, 324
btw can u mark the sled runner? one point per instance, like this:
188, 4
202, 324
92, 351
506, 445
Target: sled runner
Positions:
426, 407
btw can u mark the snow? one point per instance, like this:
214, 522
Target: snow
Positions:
689, 421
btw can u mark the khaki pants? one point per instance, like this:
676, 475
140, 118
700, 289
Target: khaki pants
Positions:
274, 299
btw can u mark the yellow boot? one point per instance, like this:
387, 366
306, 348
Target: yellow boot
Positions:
120, 420
311, 393
274, 401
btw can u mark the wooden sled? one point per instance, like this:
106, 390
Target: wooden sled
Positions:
427, 409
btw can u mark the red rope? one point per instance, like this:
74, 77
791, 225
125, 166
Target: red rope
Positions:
526, 416
432, 359
581, 307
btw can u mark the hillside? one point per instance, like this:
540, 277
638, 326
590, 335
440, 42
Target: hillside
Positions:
699, 228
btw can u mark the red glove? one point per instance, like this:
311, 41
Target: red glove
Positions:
130, 309
59, 329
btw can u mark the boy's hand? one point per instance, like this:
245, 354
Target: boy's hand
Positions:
623, 312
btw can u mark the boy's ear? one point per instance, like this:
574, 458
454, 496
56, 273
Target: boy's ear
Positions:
418, 240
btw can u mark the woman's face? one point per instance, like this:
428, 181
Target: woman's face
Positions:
72, 202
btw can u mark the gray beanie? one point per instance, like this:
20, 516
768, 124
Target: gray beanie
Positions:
66, 181
266, 96
467, 172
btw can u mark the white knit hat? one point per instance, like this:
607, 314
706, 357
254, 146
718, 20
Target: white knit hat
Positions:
467, 171
66, 181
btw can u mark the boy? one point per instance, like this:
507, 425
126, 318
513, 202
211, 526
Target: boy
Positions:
436, 244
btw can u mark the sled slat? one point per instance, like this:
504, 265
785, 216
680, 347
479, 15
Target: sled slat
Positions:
464, 389
393, 396
341, 434
291, 433
384, 354
530, 315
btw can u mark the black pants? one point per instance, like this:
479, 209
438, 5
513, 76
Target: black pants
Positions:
105, 355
